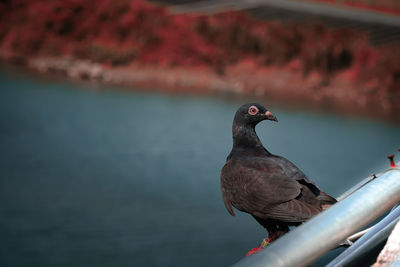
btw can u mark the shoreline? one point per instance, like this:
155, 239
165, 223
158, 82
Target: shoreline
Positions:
143, 45
286, 86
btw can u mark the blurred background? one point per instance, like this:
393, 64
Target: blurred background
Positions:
116, 119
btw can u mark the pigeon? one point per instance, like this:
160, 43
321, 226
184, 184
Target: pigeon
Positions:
268, 187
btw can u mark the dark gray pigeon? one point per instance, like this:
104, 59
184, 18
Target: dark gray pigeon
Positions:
269, 187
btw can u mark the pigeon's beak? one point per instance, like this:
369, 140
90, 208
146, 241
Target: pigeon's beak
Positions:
270, 116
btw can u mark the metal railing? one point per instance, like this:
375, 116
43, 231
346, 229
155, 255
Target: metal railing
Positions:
324, 232
367, 243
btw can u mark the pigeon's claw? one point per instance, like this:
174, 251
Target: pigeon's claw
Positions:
263, 244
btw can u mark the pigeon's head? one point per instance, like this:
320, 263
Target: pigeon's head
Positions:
253, 113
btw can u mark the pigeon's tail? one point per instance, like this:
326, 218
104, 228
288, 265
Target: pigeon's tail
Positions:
326, 200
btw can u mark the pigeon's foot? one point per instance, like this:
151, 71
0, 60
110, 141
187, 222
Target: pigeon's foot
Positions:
254, 250
263, 244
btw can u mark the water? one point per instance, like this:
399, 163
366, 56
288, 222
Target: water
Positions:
115, 178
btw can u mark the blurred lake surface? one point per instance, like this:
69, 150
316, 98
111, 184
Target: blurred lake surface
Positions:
116, 178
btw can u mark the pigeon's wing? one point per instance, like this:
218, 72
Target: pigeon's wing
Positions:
290, 211
256, 185
292, 171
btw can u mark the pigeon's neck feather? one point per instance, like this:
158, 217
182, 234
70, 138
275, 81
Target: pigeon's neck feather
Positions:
245, 138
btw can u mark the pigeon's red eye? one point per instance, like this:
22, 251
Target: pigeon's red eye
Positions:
253, 110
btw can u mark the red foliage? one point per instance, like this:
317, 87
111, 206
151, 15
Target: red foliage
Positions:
124, 31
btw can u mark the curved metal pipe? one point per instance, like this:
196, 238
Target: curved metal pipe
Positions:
377, 234
356, 187
325, 231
